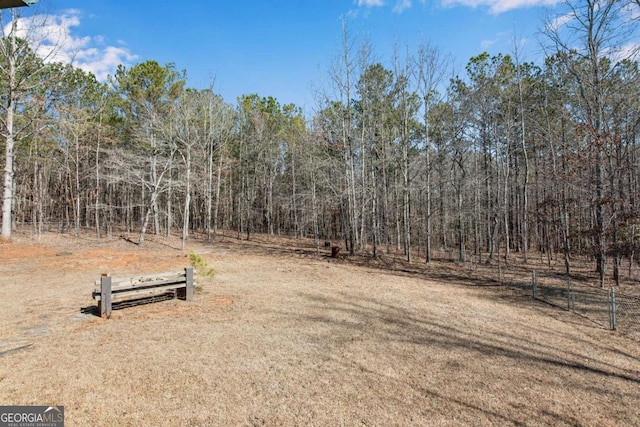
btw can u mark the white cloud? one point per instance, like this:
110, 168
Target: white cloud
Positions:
631, 11
370, 3
629, 51
105, 61
486, 44
51, 37
560, 22
402, 5
500, 6
495, 7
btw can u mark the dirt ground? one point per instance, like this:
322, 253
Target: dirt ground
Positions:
283, 337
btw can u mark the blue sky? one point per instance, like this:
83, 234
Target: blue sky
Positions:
279, 48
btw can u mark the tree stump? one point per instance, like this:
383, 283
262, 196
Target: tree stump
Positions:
335, 251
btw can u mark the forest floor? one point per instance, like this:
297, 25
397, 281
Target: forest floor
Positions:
282, 336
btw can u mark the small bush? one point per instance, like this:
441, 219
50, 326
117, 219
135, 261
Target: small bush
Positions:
200, 266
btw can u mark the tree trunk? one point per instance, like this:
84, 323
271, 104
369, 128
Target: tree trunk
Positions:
7, 198
217, 202
187, 198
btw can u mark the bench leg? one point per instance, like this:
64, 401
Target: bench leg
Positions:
105, 297
187, 293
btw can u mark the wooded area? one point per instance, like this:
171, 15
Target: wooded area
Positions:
506, 156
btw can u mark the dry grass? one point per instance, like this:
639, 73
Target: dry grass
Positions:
281, 337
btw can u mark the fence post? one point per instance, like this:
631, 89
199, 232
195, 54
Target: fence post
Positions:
570, 305
188, 272
612, 295
105, 296
534, 284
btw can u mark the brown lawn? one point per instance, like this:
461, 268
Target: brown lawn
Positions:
283, 337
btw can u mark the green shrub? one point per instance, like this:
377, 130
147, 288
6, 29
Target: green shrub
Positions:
200, 266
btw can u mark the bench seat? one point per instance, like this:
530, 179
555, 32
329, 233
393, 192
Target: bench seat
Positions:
139, 287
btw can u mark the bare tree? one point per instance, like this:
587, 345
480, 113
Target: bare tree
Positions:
19, 67
520, 82
587, 38
146, 92
431, 68
342, 76
218, 132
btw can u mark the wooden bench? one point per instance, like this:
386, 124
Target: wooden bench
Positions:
178, 282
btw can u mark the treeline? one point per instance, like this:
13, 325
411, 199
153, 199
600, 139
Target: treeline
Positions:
507, 156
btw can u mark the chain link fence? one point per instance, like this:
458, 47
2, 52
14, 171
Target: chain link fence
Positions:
606, 308
626, 313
